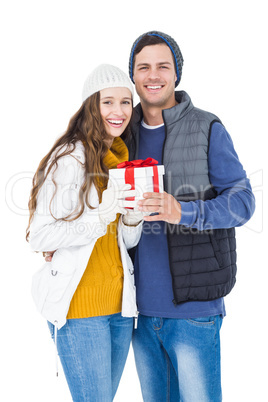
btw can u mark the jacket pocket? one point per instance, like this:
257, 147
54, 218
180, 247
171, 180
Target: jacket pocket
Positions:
216, 249
52, 280
62, 268
40, 286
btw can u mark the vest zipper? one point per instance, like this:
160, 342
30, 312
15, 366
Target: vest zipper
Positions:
164, 143
163, 151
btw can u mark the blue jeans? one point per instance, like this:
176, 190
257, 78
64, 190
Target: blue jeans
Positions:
93, 352
178, 360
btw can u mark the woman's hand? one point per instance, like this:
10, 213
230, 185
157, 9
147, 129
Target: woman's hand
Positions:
113, 202
48, 255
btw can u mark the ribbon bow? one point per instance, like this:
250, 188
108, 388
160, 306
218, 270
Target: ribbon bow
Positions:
137, 163
129, 173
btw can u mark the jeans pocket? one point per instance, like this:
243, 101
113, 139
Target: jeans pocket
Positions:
202, 321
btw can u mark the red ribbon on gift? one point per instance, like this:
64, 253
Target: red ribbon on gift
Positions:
129, 173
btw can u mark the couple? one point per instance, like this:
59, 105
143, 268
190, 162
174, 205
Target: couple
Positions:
185, 258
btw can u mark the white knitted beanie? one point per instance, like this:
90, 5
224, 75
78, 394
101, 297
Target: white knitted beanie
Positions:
105, 76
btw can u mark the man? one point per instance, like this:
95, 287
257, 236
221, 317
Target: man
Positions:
185, 262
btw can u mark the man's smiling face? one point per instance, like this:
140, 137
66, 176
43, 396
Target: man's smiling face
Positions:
155, 76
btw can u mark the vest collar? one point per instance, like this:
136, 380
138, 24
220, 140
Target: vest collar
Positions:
170, 115
180, 110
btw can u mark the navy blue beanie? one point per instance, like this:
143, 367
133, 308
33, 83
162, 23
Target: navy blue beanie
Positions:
172, 44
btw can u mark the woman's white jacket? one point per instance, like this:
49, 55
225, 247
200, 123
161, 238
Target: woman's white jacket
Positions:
54, 284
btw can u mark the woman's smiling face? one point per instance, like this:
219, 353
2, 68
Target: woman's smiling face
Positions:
116, 110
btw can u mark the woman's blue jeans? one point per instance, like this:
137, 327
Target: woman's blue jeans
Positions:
93, 352
178, 360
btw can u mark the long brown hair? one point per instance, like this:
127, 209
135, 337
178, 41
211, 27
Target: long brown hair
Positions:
87, 126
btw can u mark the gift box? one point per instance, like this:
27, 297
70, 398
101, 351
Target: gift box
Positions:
143, 175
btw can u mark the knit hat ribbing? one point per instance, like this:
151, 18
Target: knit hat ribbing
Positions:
105, 76
172, 44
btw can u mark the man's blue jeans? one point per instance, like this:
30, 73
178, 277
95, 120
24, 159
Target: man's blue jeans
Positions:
93, 353
178, 360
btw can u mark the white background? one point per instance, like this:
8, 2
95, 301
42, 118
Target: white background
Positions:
47, 50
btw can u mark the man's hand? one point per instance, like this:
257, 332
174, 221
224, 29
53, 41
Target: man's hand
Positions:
168, 209
48, 255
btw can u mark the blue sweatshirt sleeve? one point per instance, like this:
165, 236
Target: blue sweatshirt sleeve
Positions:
235, 203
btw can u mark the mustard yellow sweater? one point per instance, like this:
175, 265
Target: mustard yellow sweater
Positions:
100, 289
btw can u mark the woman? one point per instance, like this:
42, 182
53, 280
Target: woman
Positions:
87, 292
